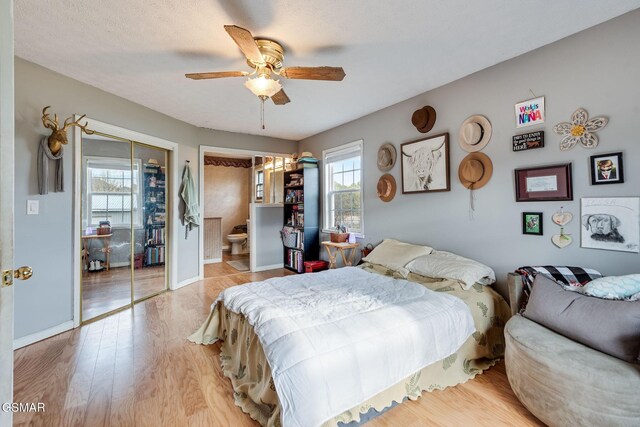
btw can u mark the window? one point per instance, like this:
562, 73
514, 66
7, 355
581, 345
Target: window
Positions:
110, 184
259, 185
343, 187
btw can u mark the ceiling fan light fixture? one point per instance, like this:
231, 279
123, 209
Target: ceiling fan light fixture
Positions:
263, 86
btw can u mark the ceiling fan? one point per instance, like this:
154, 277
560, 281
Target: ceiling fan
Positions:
265, 57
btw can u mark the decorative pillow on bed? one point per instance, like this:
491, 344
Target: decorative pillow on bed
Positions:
395, 255
445, 265
612, 327
614, 287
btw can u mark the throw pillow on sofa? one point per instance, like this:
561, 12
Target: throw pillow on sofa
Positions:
614, 287
612, 327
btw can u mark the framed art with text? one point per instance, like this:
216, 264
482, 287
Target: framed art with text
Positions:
544, 183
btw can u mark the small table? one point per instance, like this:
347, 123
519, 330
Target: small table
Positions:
106, 240
332, 247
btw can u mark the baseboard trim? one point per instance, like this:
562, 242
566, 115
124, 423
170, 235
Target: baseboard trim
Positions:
39, 336
187, 282
212, 261
268, 267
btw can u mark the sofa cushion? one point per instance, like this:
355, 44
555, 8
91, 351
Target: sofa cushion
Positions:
612, 327
565, 383
569, 276
614, 287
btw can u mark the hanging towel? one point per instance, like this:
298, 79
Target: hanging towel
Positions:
190, 217
44, 155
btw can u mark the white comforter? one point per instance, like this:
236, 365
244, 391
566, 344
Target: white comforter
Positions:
335, 339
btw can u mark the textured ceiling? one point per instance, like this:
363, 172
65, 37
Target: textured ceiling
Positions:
390, 50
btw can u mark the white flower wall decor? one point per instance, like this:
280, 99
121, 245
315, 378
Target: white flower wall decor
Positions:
581, 130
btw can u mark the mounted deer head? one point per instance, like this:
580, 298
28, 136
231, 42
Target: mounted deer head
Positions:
58, 136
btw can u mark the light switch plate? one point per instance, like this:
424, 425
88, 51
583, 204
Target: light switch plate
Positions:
33, 207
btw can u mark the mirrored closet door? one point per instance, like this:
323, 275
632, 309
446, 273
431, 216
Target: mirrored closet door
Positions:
124, 205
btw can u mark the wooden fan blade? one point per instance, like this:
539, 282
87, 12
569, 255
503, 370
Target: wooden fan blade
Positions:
216, 75
246, 43
313, 73
280, 98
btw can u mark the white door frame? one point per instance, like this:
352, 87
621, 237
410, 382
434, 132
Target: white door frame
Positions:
173, 183
222, 150
7, 147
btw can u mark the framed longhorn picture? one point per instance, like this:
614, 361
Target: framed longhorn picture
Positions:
425, 165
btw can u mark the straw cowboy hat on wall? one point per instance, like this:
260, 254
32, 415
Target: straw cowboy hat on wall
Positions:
386, 157
475, 170
386, 187
475, 133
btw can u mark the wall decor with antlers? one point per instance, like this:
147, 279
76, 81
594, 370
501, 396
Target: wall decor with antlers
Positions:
51, 148
58, 136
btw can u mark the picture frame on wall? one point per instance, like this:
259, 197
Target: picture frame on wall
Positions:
544, 183
606, 169
530, 112
532, 223
425, 165
610, 223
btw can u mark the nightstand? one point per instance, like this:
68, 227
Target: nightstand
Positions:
333, 249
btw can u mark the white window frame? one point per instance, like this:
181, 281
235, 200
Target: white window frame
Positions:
105, 161
355, 146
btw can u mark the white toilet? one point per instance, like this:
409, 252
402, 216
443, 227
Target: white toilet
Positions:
238, 242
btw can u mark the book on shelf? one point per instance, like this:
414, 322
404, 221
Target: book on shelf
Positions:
295, 260
294, 196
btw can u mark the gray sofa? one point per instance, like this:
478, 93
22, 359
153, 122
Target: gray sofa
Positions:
564, 383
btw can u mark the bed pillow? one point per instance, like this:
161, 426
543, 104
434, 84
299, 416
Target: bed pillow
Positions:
395, 255
612, 327
614, 287
445, 265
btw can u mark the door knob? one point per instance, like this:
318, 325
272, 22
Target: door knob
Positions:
22, 273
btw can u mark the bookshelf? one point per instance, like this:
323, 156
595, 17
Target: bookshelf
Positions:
300, 232
154, 214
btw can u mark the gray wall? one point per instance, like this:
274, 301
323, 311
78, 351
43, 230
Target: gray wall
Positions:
596, 69
45, 241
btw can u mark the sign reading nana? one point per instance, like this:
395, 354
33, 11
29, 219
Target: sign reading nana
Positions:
527, 141
530, 112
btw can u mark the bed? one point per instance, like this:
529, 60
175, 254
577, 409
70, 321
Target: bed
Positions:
244, 361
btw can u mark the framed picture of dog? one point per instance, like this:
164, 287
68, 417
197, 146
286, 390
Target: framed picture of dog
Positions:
611, 223
532, 223
425, 165
606, 169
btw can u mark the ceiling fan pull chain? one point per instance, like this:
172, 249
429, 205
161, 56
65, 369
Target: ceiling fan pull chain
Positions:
262, 111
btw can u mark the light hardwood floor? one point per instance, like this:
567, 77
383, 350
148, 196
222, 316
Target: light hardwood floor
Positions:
136, 368
220, 269
109, 290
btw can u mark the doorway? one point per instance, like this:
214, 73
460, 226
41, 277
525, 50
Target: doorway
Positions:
260, 192
124, 235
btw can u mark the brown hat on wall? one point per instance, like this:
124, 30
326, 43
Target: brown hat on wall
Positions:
475, 170
386, 187
424, 118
